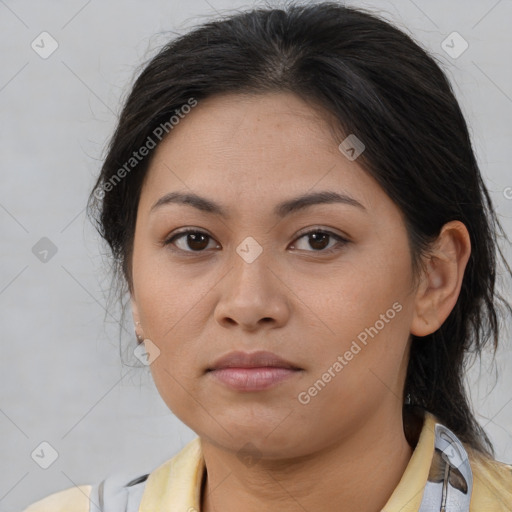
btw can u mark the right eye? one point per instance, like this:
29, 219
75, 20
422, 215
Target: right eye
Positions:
191, 238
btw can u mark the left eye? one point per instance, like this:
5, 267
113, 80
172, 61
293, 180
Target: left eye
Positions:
319, 240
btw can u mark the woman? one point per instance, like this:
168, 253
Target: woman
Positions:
293, 203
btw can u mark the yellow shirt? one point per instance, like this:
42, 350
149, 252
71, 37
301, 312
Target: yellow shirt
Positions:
176, 484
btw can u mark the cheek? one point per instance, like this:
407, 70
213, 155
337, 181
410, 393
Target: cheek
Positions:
371, 284
164, 293
168, 308
367, 308
178, 388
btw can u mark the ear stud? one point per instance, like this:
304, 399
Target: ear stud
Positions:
140, 339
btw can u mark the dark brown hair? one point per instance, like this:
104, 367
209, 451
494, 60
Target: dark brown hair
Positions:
379, 85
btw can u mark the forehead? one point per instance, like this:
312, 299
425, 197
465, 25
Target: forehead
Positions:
244, 123
254, 146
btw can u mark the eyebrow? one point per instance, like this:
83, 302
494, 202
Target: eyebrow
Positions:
280, 210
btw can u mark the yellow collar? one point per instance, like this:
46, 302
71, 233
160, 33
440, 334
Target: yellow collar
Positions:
408, 493
176, 484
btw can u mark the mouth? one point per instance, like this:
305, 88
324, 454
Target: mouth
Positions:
254, 371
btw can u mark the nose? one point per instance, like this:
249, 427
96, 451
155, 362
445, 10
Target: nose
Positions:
252, 297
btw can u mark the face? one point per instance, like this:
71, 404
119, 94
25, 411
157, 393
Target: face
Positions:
325, 286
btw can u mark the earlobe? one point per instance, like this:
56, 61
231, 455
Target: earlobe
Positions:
136, 320
441, 279
426, 318
135, 310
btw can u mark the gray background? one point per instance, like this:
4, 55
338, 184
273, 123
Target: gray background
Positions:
62, 380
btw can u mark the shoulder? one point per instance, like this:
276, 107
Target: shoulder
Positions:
116, 493
492, 483
123, 492
74, 498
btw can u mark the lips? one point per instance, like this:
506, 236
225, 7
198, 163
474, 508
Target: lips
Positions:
256, 371
259, 359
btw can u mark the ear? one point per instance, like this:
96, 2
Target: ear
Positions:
136, 319
441, 279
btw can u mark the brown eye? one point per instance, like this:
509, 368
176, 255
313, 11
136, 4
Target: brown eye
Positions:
319, 240
190, 240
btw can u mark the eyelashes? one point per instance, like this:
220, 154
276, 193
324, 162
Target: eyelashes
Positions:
196, 237
196, 241
324, 234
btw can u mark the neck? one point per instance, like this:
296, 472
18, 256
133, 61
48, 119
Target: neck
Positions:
337, 477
